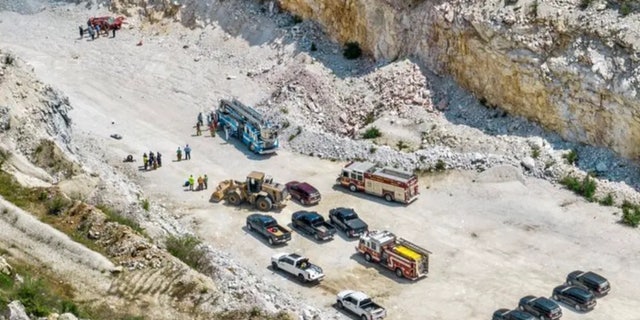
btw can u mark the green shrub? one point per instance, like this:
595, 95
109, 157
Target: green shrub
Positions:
401, 145
372, 133
586, 187
535, 152
117, 217
630, 214
571, 157
297, 133
625, 8
57, 205
369, 118
533, 9
373, 149
607, 200
185, 248
9, 59
352, 50
440, 165
313, 47
34, 296
145, 204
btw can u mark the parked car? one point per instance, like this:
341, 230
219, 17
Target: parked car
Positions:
361, 305
313, 224
298, 266
506, 314
268, 227
593, 281
540, 307
303, 192
347, 220
576, 296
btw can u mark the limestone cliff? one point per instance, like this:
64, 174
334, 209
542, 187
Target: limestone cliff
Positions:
574, 70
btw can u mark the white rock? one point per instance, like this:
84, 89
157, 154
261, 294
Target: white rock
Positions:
601, 167
67, 316
15, 311
5, 267
528, 163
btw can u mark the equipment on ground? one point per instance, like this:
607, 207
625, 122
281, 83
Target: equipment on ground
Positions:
106, 22
402, 256
389, 183
248, 125
259, 190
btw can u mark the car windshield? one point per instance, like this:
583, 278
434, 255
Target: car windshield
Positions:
349, 215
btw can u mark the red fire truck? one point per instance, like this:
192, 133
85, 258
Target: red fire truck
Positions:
389, 183
403, 257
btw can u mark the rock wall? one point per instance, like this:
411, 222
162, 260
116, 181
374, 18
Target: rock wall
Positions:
575, 71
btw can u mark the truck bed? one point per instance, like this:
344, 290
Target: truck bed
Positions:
276, 230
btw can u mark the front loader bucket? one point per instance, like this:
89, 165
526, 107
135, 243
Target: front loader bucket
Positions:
220, 191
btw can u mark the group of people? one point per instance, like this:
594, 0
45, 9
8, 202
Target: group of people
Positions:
187, 153
203, 183
152, 161
212, 123
94, 30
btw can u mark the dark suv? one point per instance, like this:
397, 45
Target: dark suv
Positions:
578, 297
593, 281
506, 314
540, 307
305, 193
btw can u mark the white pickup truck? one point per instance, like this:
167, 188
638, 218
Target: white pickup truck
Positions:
361, 305
298, 266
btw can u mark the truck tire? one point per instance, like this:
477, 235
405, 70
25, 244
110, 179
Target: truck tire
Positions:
364, 317
353, 188
271, 241
274, 266
367, 257
340, 305
234, 199
264, 204
388, 197
316, 236
249, 227
301, 278
399, 273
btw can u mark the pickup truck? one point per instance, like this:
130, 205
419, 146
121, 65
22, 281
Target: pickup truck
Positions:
298, 266
347, 220
313, 224
361, 305
269, 228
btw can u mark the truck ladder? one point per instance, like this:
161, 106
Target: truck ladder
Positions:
247, 113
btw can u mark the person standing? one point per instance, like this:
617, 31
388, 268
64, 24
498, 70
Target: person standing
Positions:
92, 32
145, 161
81, 32
200, 183
206, 181
97, 31
200, 118
179, 154
212, 129
187, 152
198, 131
191, 182
113, 31
159, 159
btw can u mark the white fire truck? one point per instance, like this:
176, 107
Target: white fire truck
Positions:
406, 259
389, 183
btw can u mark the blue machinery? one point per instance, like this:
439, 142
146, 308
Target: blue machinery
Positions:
248, 125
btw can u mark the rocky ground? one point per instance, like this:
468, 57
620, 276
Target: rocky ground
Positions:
323, 102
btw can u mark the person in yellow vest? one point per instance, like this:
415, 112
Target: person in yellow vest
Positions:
191, 182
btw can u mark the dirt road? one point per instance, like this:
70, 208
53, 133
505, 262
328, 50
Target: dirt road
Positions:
493, 242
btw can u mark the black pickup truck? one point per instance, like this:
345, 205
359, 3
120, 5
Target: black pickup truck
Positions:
269, 228
313, 224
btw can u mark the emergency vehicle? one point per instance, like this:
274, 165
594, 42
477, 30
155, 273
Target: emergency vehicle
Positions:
403, 257
389, 183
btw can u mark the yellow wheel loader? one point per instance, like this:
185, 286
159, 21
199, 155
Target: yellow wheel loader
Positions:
258, 190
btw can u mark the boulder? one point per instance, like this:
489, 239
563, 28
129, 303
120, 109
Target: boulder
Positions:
67, 316
5, 267
15, 311
528, 163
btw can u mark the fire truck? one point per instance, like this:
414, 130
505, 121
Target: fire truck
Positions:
389, 183
403, 257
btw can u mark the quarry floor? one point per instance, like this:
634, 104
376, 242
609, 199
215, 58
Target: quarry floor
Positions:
495, 236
